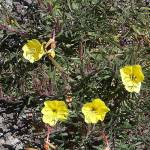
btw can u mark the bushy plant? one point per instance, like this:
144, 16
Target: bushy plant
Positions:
94, 40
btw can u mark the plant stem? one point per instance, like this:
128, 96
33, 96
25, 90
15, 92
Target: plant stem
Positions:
59, 68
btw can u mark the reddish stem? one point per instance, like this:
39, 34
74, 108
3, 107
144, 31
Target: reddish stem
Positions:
105, 138
81, 52
49, 129
53, 34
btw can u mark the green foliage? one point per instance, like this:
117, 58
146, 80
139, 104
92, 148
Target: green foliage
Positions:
95, 38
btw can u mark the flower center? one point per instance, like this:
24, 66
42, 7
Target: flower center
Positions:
93, 109
132, 77
54, 110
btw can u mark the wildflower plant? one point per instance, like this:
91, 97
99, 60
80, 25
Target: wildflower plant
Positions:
98, 43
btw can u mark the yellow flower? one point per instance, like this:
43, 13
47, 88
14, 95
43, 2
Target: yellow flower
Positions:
33, 50
54, 111
94, 111
132, 76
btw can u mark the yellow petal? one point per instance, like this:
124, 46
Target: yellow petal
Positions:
137, 70
51, 53
133, 88
101, 116
49, 121
46, 110
91, 119
34, 43
98, 102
